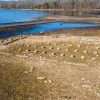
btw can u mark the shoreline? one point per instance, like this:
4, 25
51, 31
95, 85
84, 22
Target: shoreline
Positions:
47, 19
74, 19
92, 32
54, 58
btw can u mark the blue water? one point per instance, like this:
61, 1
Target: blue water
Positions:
49, 27
13, 16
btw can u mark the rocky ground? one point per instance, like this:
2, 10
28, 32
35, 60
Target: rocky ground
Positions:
54, 67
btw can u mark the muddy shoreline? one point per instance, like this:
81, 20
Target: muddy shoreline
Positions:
68, 32
20, 26
27, 25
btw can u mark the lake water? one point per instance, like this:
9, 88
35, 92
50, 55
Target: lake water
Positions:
49, 27
13, 16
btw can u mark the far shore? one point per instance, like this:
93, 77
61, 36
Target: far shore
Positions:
74, 19
36, 9
81, 10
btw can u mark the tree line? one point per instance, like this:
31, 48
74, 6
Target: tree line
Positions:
51, 4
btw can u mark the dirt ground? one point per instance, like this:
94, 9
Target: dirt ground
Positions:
74, 19
68, 67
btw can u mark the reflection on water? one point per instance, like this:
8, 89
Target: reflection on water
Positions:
12, 16
49, 27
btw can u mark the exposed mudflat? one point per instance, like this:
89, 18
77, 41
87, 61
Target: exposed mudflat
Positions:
68, 67
74, 19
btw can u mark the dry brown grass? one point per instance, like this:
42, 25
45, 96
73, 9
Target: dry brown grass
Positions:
66, 61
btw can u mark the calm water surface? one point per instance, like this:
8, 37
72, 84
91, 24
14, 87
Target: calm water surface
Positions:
13, 16
49, 27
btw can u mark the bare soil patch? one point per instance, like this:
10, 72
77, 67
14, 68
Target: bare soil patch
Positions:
68, 65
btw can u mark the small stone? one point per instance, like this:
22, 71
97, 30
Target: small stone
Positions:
48, 43
58, 48
90, 90
42, 32
12, 48
72, 56
97, 55
63, 44
85, 86
53, 54
26, 72
28, 45
35, 46
36, 51
20, 49
22, 44
67, 49
55, 44
28, 50
82, 57
93, 58
44, 52
95, 52
41, 78
85, 51
50, 48
31, 69
40, 56
98, 94
78, 46
83, 79
97, 47
76, 51
43, 47
49, 81
45, 81
70, 45
62, 55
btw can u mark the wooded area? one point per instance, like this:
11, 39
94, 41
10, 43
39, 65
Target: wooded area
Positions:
68, 5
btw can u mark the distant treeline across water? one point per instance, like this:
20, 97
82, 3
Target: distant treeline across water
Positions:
51, 4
